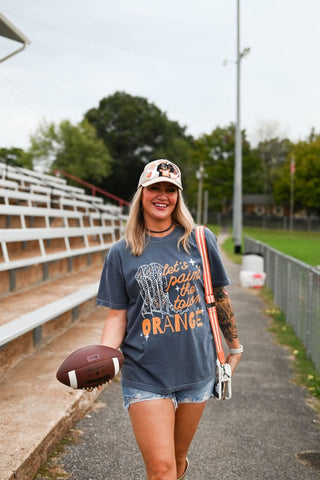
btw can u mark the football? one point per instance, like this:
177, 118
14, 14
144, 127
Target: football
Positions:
90, 366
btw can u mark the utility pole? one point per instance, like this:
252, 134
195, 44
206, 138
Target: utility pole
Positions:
199, 175
205, 207
292, 172
237, 182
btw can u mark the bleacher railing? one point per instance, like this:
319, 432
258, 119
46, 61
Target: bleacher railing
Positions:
92, 187
296, 289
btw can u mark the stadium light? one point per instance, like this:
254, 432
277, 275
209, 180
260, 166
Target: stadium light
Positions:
8, 30
237, 181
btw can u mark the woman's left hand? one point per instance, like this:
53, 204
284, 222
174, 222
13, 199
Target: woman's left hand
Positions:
233, 360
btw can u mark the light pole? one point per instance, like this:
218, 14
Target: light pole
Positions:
8, 30
199, 176
237, 181
292, 172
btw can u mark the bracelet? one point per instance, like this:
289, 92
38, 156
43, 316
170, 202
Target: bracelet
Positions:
234, 351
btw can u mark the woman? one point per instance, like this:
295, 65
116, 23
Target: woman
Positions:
152, 284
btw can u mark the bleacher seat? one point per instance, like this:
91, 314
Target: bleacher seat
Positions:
49, 230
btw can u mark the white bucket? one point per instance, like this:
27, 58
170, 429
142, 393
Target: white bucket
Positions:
252, 262
252, 279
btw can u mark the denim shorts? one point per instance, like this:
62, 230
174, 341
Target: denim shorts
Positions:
190, 395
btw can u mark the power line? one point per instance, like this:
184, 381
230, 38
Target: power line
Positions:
128, 50
25, 95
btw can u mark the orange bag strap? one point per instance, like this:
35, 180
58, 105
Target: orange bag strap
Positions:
209, 296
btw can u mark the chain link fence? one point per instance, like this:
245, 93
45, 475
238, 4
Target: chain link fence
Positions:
224, 220
296, 289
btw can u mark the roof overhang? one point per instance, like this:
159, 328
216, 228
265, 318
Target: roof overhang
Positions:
8, 30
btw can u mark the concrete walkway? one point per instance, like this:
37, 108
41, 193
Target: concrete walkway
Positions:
258, 435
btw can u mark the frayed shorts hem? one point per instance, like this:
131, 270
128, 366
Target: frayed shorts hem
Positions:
191, 395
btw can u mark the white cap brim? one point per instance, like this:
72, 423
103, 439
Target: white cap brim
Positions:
161, 179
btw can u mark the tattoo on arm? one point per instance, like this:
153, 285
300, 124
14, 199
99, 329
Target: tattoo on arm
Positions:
225, 314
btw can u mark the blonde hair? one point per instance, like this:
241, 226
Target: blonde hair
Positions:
135, 231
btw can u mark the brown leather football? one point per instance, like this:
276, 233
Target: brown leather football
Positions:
90, 366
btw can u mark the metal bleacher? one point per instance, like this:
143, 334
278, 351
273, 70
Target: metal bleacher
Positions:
53, 237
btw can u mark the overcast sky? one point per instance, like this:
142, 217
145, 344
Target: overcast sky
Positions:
168, 51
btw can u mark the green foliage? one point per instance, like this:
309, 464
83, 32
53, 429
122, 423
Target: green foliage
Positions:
272, 154
306, 179
135, 132
131, 131
73, 148
15, 157
216, 152
305, 372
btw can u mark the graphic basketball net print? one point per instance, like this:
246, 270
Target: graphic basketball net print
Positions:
182, 310
155, 299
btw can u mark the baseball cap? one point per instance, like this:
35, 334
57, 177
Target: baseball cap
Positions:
160, 171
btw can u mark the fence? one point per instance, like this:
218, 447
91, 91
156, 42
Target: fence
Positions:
296, 289
311, 224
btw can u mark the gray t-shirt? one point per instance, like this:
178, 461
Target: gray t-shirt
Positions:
168, 345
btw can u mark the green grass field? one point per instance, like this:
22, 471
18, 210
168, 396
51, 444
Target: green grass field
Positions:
304, 246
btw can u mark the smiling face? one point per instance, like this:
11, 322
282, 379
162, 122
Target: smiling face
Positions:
159, 201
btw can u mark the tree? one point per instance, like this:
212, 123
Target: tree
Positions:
306, 155
16, 157
272, 147
216, 153
73, 148
272, 153
135, 132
